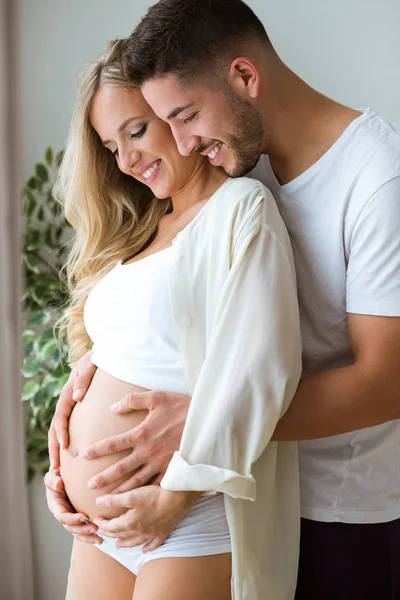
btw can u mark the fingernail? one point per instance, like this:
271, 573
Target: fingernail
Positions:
94, 531
85, 521
83, 454
92, 485
100, 501
78, 394
115, 407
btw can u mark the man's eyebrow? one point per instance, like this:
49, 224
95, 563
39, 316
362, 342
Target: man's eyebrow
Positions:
174, 113
123, 125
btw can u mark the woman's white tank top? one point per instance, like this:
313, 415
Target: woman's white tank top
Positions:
128, 316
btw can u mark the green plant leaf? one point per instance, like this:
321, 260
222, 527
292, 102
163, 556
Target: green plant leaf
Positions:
32, 263
40, 214
41, 317
30, 473
42, 173
48, 350
49, 156
30, 389
28, 336
37, 443
30, 202
45, 337
32, 183
31, 368
28, 349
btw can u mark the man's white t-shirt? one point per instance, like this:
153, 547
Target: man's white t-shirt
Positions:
343, 218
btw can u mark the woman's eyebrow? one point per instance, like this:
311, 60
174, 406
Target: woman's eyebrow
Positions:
123, 125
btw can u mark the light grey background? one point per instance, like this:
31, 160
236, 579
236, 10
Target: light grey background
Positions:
347, 49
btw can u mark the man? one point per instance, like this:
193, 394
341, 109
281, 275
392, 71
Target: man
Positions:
208, 68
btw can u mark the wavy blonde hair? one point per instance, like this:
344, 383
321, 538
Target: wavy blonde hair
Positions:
114, 216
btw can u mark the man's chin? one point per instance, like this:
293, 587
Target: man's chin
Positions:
240, 170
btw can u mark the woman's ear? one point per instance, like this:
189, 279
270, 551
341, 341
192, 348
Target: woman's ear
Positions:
244, 78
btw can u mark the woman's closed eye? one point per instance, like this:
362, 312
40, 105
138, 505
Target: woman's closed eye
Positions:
132, 136
138, 134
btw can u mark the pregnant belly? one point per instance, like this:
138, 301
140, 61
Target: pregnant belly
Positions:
92, 421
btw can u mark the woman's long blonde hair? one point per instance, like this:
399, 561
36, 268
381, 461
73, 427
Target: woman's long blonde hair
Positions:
114, 216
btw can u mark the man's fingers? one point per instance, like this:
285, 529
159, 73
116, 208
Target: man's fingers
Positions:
153, 544
136, 401
108, 446
120, 525
114, 472
140, 478
125, 500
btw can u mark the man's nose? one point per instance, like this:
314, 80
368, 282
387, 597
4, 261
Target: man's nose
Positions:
186, 143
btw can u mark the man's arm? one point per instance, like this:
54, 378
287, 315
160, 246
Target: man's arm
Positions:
364, 394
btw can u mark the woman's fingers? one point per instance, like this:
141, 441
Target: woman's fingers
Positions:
53, 481
54, 448
92, 539
85, 371
63, 412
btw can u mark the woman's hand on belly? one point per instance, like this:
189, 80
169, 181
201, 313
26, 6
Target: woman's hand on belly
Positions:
152, 443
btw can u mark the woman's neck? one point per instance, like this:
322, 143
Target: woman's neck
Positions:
202, 184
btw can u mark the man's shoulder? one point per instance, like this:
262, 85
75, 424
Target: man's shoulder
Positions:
374, 150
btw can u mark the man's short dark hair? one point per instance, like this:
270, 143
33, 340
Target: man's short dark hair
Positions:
189, 38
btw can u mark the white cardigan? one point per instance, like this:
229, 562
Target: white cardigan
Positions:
235, 308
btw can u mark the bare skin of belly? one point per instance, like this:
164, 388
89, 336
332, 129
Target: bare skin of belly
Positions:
92, 421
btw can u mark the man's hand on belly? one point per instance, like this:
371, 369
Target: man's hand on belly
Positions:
153, 513
153, 442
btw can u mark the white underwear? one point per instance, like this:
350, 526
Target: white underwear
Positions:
203, 531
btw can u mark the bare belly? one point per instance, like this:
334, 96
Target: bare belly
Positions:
91, 421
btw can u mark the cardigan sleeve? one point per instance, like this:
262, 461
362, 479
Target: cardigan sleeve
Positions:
251, 369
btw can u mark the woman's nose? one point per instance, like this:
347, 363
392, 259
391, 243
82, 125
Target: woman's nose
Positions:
128, 159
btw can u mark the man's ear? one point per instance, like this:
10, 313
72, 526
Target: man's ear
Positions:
244, 78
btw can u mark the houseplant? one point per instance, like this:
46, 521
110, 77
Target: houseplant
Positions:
44, 366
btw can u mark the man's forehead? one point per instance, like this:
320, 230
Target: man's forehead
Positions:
166, 94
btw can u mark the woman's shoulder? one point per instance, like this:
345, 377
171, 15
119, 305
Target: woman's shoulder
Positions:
244, 189
241, 197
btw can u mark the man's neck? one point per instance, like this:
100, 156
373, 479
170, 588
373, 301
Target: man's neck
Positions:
301, 125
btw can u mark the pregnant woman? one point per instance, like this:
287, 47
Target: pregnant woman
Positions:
181, 279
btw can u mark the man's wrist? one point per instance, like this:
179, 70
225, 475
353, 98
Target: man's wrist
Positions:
184, 499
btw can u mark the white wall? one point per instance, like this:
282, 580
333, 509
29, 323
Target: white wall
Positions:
348, 49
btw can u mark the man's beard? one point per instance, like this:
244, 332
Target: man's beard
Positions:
246, 143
